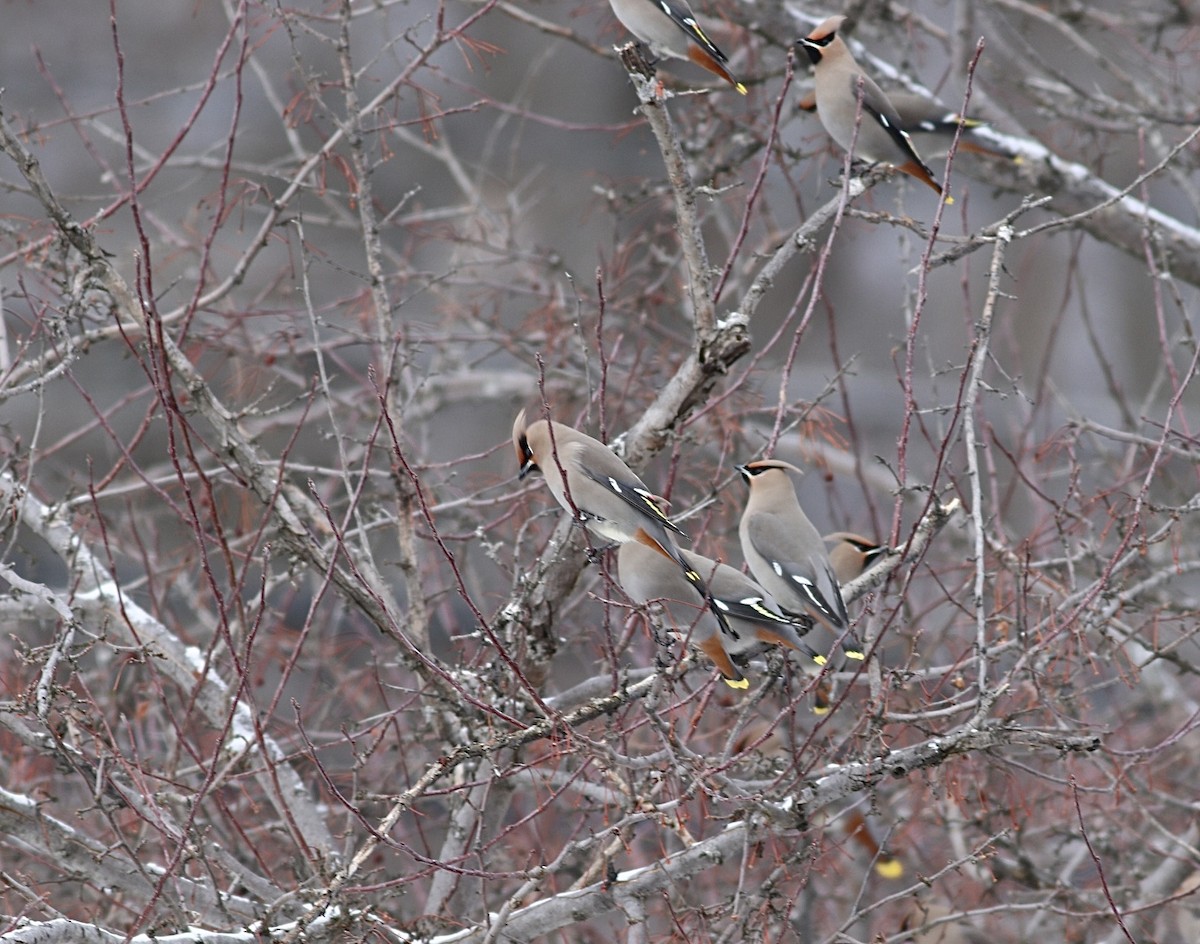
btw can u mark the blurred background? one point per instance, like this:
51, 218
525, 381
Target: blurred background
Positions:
377, 230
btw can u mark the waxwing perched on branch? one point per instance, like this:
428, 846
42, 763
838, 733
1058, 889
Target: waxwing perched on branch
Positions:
670, 29
752, 618
599, 490
840, 84
851, 554
786, 554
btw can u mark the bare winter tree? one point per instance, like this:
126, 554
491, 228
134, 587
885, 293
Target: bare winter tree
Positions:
291, 654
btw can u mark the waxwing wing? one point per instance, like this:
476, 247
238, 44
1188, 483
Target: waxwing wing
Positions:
786, 554
840, 83
670, 29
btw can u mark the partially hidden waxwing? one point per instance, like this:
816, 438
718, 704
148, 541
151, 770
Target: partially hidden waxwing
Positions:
670, 29
752, 619
858, 829
851, 554
786, 554
932, 125
839, 83
930, 122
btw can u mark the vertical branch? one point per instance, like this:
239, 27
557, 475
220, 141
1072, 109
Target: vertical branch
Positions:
653, 107
1098, 863
390, 352
910, 339
977, 359
757, 189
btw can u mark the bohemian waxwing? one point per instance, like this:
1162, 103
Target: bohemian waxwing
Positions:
752, 619
851, 554
599, 490
670, 29
838, 80
786, 554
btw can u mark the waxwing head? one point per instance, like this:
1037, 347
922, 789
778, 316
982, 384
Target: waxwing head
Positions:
537, 443
526, 460
824, 41
851, 554
768, 475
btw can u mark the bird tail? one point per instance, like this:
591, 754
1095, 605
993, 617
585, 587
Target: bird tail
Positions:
701, 58
668, 549
716, 653
852, 646
976, 148
923, 174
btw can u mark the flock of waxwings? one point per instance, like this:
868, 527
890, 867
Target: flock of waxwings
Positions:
722, 612
796, 579
878, 128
